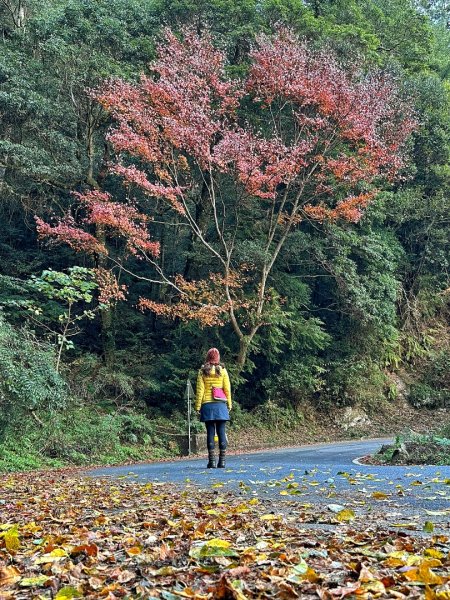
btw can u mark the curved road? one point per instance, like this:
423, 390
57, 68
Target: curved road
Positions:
319, 474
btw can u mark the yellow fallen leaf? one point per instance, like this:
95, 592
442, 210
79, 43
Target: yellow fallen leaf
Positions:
67, 593
380, 495
394, 563
423, 574
212, 548
12, 540
437, 512
433, 553
218, 543
32, 527
164, 571
34, 581
173, 523
345, 515
58, 552
373, 587
54, 556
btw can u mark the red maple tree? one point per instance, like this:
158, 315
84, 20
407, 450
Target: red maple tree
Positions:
299, 139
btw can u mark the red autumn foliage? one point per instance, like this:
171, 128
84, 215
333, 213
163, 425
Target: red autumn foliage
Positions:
68, 231
123, 220
109, 288
317, 141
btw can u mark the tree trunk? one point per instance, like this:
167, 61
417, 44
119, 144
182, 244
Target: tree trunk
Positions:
242, 355
106, 315
17, 11
108, 335
90, 148
245, 342
201, 217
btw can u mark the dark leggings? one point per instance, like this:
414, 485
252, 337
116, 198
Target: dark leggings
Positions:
211, 428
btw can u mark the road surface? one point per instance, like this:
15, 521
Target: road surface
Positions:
321, 474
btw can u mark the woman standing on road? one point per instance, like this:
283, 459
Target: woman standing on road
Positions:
213, 400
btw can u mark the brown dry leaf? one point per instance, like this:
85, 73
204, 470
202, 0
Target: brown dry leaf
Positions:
226, 590
9, 576
96, 582
366, 575
373, 587
195, 543
342, 592
89, 549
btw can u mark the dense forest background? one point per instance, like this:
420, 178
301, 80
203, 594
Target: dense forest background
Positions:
364, 309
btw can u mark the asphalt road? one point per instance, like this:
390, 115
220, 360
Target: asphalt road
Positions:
319, 474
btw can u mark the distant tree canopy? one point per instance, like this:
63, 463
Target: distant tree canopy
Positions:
298, 141
347, 299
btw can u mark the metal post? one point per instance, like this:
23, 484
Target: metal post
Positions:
189, 394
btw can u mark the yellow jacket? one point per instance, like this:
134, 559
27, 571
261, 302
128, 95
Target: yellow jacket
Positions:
205, 383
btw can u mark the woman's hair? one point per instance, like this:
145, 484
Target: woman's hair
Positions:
208, 367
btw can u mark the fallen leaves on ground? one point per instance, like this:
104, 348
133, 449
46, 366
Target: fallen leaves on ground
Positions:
67, 536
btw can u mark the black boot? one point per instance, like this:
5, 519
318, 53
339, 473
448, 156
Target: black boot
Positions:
211, 460
221, 463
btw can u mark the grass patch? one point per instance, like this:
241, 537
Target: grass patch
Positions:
82, 436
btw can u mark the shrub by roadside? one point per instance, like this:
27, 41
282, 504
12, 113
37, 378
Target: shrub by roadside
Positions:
415, 449
82, 436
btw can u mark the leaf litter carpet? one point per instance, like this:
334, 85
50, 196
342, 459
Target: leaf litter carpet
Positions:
64, 535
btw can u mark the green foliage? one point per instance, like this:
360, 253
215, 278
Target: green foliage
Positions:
422, 395
433, 391
267, 416
81, 435
28, 379
52, 302
355, 382
297, 381
75, 285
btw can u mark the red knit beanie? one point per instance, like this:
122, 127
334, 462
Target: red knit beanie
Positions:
213, 356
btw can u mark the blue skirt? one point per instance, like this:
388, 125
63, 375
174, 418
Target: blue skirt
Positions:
214, 411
